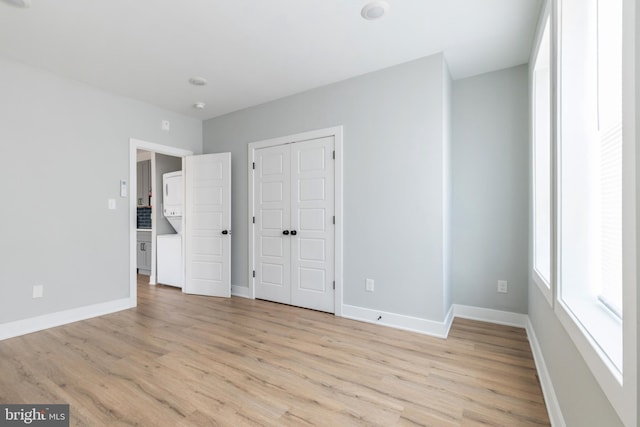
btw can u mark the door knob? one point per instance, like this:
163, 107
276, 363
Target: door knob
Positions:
294, 232
225, 231
285, 232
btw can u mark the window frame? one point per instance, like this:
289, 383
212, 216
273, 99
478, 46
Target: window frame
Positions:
546, 18
620, 387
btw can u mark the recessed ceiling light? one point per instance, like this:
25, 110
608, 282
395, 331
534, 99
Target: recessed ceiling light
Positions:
198, 81
199, 105
374, 10
20, 3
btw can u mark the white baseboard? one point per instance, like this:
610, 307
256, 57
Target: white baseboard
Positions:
489, 315
240, 291
441, 330
399, 321
39, 323
553, 406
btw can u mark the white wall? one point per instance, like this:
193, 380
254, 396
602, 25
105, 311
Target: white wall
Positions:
393, 179
490, 189
64, 147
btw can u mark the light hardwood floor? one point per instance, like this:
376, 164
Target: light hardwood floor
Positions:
194, 361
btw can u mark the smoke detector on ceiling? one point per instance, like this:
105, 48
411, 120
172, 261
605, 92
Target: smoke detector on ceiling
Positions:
199, 105
374, 10
198, 81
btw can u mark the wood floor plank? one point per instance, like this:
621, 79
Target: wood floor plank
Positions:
186, 360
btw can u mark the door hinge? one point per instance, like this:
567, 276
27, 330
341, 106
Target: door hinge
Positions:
334, 154
334, 284
254, 273
254, 219
254, 165
334, 219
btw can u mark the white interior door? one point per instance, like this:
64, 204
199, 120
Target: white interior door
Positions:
208, 225
294, 229
272, 213
312, 210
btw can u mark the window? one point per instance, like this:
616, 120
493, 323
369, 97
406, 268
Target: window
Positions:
593, 186
590, 173
610, 142
542, 164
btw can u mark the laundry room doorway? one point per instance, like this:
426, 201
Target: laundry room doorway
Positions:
201, 258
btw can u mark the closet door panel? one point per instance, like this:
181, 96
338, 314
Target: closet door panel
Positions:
312, 210
272, 206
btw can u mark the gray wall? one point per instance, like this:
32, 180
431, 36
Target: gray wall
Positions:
393, 179
637, 134
164, 164
64, 147
490, 189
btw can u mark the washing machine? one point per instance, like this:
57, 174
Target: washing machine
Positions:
169, 265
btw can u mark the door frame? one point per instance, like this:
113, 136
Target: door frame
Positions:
134, 145
336, 133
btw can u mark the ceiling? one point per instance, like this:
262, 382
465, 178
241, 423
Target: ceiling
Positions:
254, 51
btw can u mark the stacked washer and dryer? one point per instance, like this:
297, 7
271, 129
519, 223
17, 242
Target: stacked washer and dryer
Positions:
170, 245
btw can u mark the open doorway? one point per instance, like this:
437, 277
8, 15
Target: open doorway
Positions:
157, 230
148, 162
205, 245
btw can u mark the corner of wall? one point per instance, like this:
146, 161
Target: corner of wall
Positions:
447, 184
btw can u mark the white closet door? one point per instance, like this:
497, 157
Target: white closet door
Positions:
272, 210
208, 225
312, 210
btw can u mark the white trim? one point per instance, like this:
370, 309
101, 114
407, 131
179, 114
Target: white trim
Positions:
547, 16
46, 321
604, 371
240, 291
400, 321
548, 392
134, 145
433, 327
541, 283
499, 317
154, 226
251, 157
620, 389
336, 133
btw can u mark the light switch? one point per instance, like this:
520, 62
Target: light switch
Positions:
123, 188
502, 286
112, 204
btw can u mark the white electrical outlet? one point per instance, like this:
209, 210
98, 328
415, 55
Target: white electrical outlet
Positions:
166, 125
502, 286
369, 285
38, 291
